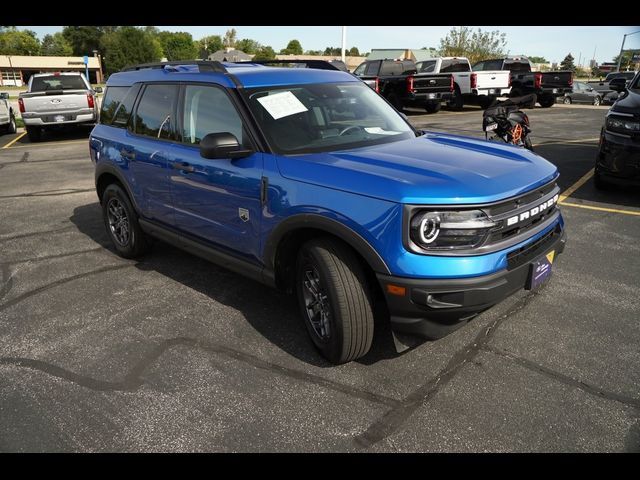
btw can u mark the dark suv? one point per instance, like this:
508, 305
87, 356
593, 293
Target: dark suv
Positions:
618, 159
309, 181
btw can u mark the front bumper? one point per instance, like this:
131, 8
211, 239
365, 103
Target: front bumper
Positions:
432, 308
618, 159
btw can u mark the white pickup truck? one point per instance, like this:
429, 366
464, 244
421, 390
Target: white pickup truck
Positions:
479, 88
55, 99
7, 115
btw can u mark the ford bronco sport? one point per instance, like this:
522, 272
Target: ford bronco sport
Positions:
309, 181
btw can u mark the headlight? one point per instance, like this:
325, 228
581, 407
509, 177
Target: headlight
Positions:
622, 125
448, 230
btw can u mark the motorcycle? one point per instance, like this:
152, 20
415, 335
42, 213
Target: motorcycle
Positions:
505, 120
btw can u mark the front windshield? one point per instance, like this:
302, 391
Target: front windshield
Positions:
325, 117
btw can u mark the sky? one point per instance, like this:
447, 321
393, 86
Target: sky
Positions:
551, 42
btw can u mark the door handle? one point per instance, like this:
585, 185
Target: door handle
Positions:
185, 167
127, 154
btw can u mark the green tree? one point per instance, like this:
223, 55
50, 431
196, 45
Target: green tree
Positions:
177, 45
293, 48
248, 46
265, 53
353, 52
626, 59
567, 63
129, 46
332, 51
56, 45
85, 39
230, 38
475, 45
208, 45
538, 60
313, 52
18, 42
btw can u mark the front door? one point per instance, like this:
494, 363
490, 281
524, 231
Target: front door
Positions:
215, 200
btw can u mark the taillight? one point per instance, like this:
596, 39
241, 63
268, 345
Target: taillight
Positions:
451, 84
537, 80
21, 105
571, 80
474, 80
410, 84
509, 81
90, 101
377, 85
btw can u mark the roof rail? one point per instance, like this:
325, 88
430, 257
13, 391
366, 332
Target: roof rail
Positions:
310, 63
203, 65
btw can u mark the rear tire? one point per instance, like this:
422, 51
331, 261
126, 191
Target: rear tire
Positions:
395, 101
485, 101
527, 143
34, 134
599, 183
121, 222
597, 101
567, 101
335, 299
456, 102
546, 101
433, 107
11, 126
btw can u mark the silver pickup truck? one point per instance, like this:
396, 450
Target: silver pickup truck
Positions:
7, 116
55, 99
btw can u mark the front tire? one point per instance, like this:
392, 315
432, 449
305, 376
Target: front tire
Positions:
567, 100
11, 126
456, 102
121, 222
335, 300
597, 101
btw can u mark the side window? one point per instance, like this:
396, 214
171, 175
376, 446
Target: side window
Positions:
209, 110
110, 102
454, 65
153, 115
123, 112
360, 70
372, 68
478, 67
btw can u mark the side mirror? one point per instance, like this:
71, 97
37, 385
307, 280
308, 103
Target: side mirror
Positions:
98, 89
222, 145
618, 84
4, 96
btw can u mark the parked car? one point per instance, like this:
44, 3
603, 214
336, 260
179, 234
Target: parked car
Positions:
478, 88
618, 159
546, 85
604, 90
7, 115
308, 181
400, 83
57, 99
582, 93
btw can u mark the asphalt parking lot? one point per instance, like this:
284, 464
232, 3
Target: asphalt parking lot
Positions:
171, 353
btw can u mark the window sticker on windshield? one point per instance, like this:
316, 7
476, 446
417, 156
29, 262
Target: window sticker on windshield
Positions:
380, 131
282, 105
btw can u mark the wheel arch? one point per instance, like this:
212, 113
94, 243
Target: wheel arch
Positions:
284, 242
107, 174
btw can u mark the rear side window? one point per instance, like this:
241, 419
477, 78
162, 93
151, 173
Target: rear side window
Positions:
58, 82
427, 66
372, 68
154, 112
454, 65
208, 110
110, 102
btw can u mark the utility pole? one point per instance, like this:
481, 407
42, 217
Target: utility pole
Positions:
344, 43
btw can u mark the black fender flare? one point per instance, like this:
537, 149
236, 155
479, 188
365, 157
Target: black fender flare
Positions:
334, 227
106, 168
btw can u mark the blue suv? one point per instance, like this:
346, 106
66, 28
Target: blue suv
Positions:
309, 181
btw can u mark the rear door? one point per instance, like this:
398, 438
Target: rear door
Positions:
215, 200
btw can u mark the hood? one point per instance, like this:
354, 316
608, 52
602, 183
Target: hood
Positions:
431, 169
627, 103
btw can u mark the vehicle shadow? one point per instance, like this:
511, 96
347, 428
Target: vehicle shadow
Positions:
60, 134
273, 314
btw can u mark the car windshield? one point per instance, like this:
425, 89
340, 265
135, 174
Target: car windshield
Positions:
325, 117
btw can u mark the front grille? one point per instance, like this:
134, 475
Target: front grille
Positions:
529, 252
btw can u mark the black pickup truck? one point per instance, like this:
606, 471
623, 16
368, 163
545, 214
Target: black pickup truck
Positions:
400, 83
546, 85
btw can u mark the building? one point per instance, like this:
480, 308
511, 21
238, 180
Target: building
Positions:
15, 70
230, 55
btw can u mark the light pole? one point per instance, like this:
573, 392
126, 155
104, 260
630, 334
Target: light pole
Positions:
344, 41
622, 47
